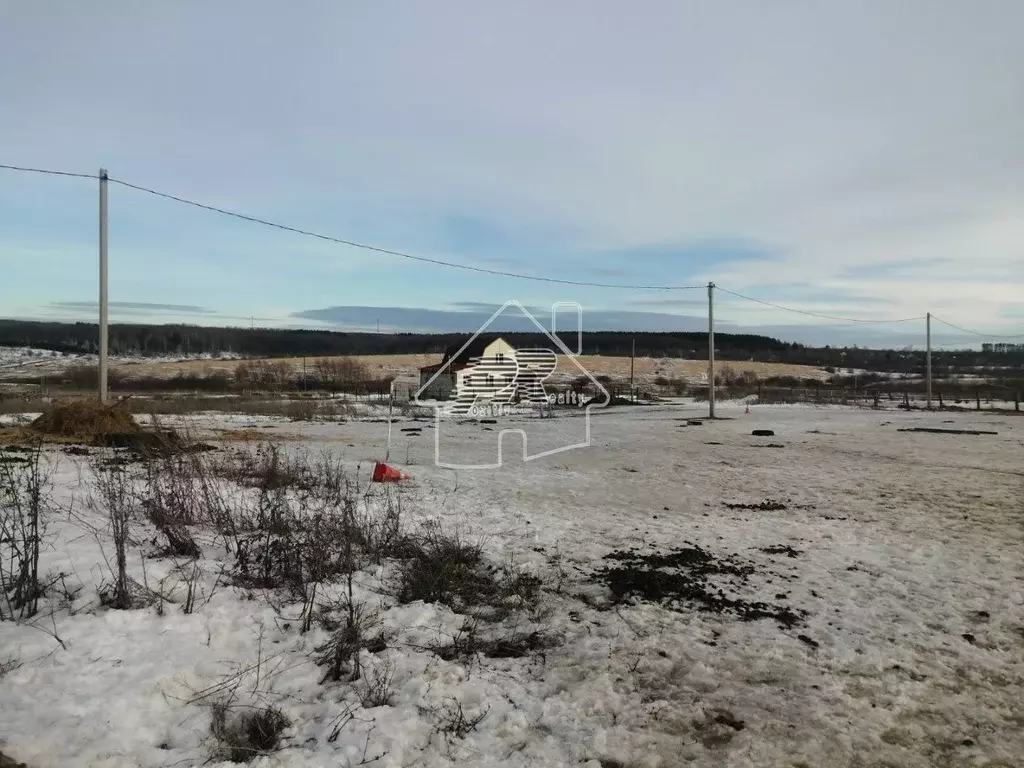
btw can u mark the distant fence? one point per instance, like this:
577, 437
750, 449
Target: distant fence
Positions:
993, 398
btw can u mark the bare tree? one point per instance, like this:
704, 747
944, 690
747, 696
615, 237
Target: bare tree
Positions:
24, 491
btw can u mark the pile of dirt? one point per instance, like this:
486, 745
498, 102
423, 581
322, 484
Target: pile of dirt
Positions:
85, 421
768, 505
690, 577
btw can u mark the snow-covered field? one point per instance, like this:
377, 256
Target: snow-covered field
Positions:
31, 363
898, 554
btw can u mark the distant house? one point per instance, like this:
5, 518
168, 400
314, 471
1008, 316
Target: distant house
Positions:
455, 366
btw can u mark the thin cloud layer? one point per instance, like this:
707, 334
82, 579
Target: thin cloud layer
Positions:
869, 152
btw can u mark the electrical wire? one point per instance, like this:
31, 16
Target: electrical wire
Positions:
815, 314
390, 252
483, 270
49, 172
976, 333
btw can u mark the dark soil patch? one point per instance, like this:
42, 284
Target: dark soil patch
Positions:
14, 460
936, 431
151, 444
516, 646
77, 450
768, 505
781, 549
727, 718
612, 400
680, 579
18, 449
763, 433
768, 445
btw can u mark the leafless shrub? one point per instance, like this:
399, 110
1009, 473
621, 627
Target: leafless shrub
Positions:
443, 568
179, 540
7, 665
24, 493
191, 576
336, 374
264, 374
380, 528
302, 410
289, 546
340, 654
464, 645
115, 496
172, 502
471, 641
377, 689
172, 487
243, 733
453, 722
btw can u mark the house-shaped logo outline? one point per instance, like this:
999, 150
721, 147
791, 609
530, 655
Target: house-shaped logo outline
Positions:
526, 457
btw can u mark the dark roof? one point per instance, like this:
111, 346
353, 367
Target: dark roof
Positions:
457, 361
475, 349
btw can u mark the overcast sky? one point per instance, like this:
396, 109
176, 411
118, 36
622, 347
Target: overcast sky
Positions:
862, 159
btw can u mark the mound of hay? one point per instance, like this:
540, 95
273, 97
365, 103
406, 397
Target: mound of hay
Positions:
85, 420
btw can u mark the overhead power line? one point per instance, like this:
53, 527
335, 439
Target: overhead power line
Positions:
49, 172
816, 314
390, 252
976, 333
483, 270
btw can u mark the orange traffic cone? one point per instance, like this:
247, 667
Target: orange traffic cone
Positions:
382, 473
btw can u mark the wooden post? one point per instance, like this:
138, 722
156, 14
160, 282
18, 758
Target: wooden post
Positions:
978, 396
906, 399
1016, 401
876, 398
941, 405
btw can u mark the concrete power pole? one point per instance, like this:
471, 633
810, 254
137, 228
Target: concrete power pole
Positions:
104, 335
711, 350
632, 359
928, 359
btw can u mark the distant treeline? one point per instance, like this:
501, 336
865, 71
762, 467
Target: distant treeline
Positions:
191, 340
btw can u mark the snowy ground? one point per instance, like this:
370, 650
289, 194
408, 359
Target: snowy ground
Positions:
904, 550
30, 363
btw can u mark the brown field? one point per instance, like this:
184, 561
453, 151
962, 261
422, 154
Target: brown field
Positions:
409, 365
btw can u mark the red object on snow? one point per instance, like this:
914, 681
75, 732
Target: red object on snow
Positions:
383, 473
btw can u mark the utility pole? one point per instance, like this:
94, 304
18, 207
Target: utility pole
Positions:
632, 357
711, 350
103, 286
928, 358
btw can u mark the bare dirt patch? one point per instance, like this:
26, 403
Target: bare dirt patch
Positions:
682, 579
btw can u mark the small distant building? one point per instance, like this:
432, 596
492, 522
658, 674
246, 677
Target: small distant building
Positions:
438, 381
1001, 348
